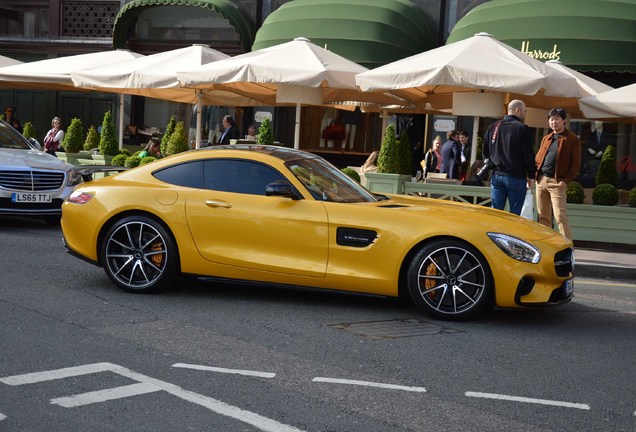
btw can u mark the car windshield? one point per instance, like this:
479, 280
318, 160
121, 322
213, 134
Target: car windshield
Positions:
327, 183
11, 139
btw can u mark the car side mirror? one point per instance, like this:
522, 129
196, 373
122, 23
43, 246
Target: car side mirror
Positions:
280, 188
35, 143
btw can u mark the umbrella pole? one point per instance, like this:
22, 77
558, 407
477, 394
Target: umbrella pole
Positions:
198, 132
121, 121
473, 144
297, 128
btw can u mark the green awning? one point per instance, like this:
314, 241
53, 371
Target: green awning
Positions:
587, 35
228, 10
370, 33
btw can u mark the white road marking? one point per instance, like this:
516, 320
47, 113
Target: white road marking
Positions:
147, 384
223, 370
2, 416
370, 384
105, 395
36, 377
528, 400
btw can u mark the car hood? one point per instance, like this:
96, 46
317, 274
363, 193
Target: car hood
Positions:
461, 214
31, 159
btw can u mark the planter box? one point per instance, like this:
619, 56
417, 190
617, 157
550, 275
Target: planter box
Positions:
101, 159
386, 183
608, 224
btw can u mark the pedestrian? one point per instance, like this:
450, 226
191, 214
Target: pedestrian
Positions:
432, 162
465, 155
451, 155
508, 149
9, 117
557, 161
54, 137
230, 131
153, 148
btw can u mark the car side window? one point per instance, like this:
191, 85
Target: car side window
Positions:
239, 176
188, 174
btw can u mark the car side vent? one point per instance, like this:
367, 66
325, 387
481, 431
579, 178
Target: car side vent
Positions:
564, 262
355, 237
393, 206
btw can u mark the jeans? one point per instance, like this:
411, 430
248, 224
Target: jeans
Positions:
504, 188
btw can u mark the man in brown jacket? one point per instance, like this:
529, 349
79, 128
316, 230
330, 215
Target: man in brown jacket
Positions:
558, 161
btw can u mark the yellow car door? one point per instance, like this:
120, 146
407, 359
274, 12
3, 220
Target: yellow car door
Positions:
232, 222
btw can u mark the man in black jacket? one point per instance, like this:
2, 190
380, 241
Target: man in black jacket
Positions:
508, 145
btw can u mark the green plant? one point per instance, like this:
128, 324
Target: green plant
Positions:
574, 193
607, 169
132, 161
265, 133
351, 173
632, 197
29, 131
605, 194
119, 160
172, 124
73, 140
125, 152
108, 142
178, 141
406, 154
392, 158
92, 139
147, 160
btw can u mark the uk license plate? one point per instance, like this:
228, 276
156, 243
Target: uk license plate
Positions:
31, 197
569, 288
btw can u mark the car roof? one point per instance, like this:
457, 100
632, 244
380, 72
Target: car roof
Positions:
283, 153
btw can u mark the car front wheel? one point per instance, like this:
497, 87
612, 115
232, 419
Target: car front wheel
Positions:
450, 280
139, 254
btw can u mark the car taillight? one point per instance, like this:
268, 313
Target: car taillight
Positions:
79, 197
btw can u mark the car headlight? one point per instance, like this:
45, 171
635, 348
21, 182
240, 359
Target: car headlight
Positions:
73, 178
516, 248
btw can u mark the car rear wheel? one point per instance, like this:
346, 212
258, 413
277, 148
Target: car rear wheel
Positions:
139, 255
450, 280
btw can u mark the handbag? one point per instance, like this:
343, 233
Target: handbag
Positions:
334, 131
527, 211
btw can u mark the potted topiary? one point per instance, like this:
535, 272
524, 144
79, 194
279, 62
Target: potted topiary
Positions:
351, 173
632, 197
73, 141
29, 131
265, 133
132, 161
574, 193
394, 165
108, 142
119, 160
92, 139
147, 160
178, 141
606, 173
605, 194
166, 136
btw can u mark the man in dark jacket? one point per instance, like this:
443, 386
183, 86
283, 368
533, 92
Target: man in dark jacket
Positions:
451, 155
230, 131
508, 145
558, 161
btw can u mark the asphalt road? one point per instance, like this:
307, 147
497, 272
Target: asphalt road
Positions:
78, 354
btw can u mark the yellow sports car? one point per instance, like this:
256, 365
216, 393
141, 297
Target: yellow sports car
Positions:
278, 215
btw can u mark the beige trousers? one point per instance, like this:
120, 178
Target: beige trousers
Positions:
551, 198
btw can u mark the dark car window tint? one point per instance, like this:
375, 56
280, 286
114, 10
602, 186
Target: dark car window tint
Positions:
239, 176
188, 174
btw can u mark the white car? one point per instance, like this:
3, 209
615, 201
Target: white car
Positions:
32, 182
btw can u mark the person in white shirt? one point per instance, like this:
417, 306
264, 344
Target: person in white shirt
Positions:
54, 137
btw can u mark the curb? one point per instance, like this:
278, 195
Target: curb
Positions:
604, 271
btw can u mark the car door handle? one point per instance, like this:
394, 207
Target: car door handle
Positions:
213, 203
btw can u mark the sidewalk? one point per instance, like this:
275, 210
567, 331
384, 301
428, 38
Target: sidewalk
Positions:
604, 260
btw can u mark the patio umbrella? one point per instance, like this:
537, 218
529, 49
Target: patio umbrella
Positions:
8, 61
55, 73
156, 76
614, 104
296, 72
480, 64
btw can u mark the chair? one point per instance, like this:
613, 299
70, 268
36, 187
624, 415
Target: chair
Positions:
131, 134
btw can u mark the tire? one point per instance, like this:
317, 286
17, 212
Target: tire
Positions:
450, 280
139, 255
